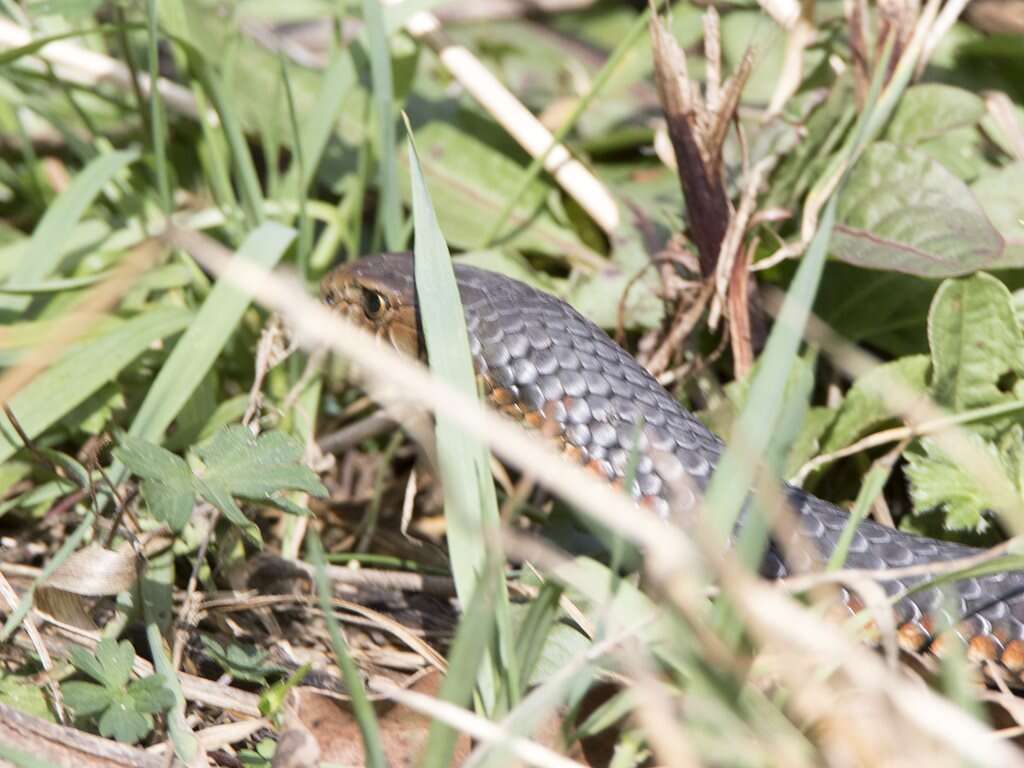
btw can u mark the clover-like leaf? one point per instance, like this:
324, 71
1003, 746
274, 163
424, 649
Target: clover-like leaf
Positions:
111, 665
256, 467
242, 662
236, 463
150, 695
85, 698
122, 722
124, 709
167, 481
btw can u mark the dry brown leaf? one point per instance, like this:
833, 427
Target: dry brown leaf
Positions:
96, 572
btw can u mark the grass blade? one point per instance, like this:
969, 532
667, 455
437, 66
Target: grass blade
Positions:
43, 254
82, 371
383, 89
471, 507
361, 707
199, 347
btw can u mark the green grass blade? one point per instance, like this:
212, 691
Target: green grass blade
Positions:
474, 635
245, 171
471, 507
361, 706
158, 609
319, 125
200, 345
757, 424
870, 489
158, 126
43, 253
383, 89
83, 370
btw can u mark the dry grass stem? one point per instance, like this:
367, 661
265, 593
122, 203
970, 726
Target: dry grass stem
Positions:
521, 124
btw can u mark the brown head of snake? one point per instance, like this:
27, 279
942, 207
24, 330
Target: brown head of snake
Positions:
545, 364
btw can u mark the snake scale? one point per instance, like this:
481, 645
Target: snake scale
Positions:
545, 364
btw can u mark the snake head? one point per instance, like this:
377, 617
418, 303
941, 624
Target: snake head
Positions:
378, 295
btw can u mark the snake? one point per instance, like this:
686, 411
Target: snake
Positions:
543, 363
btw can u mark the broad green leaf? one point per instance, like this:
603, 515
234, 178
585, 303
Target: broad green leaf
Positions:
936, 482
84, 370
903, 211
43, 252
999, 193
977, 345
242, 662
885, 310
995, 129
170, 500
147, 460
626, 283
221, 498
88, 663
930, 110
863, 409
256, 467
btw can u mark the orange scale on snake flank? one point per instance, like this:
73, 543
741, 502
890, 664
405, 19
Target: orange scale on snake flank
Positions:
912, 637
982, 648
1013, 656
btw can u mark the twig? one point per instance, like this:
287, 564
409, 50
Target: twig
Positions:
481, 730
570, 174
79, 65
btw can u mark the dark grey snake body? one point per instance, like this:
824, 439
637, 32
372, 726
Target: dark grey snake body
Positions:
546, 364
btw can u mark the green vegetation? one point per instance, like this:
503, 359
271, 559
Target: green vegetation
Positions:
205, 519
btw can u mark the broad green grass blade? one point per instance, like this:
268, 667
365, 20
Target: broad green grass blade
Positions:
82, 371
383, 89
200, 345
471, 507
361, 706
43, 254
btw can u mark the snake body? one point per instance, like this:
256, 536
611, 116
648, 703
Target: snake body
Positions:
545, 364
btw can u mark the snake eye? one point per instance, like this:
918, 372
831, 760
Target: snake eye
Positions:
373, 304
